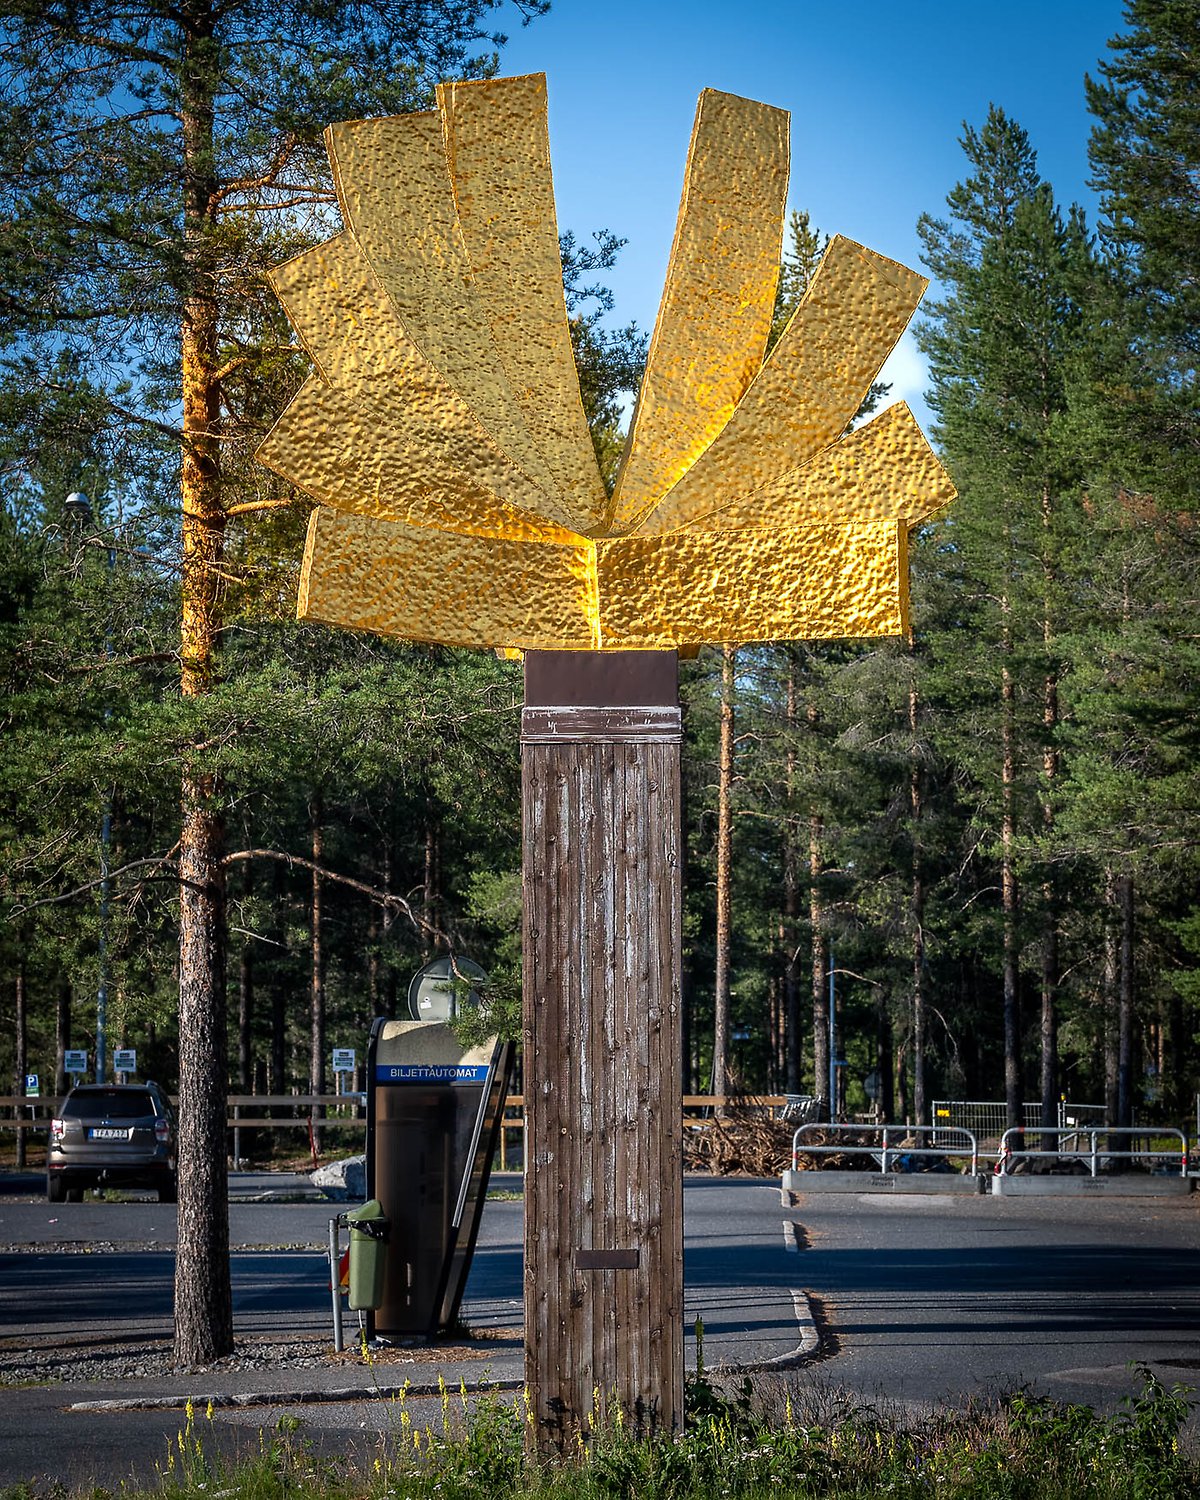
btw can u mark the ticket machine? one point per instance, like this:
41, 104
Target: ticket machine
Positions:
434, 1109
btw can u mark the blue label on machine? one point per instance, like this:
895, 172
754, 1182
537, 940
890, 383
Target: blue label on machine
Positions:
431, 1072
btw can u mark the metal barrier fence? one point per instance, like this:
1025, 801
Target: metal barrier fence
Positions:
892, 1143
1096, 1155
988, 1118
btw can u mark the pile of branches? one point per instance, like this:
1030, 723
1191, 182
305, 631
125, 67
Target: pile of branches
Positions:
744, 1142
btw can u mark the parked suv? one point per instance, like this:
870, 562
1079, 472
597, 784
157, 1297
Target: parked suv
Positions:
110, 1135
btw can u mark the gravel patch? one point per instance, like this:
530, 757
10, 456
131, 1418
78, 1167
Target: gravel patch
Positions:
68, 1363
125, 1247
147, 1359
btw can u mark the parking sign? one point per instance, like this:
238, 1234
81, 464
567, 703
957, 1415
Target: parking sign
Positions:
74, 1060
343, 1059
32, 1088
125, 1060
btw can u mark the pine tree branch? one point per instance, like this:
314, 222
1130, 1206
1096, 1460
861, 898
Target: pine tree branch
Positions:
247, 506
162, 862
264, 179
145, 659
382, 898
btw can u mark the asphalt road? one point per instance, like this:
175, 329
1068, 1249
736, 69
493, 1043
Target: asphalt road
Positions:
918, 1300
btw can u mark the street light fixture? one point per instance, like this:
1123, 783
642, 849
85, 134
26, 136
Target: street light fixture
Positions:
79, 507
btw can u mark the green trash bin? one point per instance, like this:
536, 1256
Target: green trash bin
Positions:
368, 1254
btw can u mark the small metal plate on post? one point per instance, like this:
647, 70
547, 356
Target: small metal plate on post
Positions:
607, 1260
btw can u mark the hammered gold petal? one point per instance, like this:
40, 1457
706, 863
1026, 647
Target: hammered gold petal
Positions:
393, 579
406, 421
394, 190
341, 453
810, 387
498, 149
811, 583
884, 471
715, 315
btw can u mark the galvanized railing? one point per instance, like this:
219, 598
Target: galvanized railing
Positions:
1095, 1154
892, 1143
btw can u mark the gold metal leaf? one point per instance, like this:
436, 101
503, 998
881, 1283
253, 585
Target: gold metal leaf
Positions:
398, 202
383, 432
813, 583
498, 153
885, 470
718, 300
424, 585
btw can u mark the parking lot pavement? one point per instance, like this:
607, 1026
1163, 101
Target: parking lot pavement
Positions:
917, 1300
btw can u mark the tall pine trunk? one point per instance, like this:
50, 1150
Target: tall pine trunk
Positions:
21, 1060
919, 1027
1050, 960
791, 888
431, 902
203, 1300
721, 981
1110, 992
316, 1009
1013, 1094
1125, 991
62, 1034
1049, 1019
819, 979
246, 1002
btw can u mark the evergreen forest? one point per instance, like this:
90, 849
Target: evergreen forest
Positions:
984, 842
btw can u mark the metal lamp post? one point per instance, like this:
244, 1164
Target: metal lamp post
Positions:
79, 506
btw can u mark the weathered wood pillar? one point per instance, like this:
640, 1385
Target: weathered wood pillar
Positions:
600, 749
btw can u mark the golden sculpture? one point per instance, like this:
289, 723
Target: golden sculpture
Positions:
443, 436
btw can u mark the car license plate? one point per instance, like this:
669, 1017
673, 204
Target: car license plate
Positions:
108, 1133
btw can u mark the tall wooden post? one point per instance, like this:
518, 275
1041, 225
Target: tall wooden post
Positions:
600, 748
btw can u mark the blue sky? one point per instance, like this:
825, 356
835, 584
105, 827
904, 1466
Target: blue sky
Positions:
878, 93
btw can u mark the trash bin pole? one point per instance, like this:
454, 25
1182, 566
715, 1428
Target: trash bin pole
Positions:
335, 1285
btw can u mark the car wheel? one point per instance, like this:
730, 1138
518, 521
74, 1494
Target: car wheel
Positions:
168, 1192
54, 1189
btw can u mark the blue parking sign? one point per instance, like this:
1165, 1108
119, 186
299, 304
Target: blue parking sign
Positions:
32, 1088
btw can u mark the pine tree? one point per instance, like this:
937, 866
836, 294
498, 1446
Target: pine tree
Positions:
1136, 790
1000, 343
1145, 156
156, 159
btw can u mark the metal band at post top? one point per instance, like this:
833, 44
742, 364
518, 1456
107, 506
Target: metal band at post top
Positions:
602, 679
560, 724
629, 697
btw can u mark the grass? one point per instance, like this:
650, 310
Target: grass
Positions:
744, 1445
